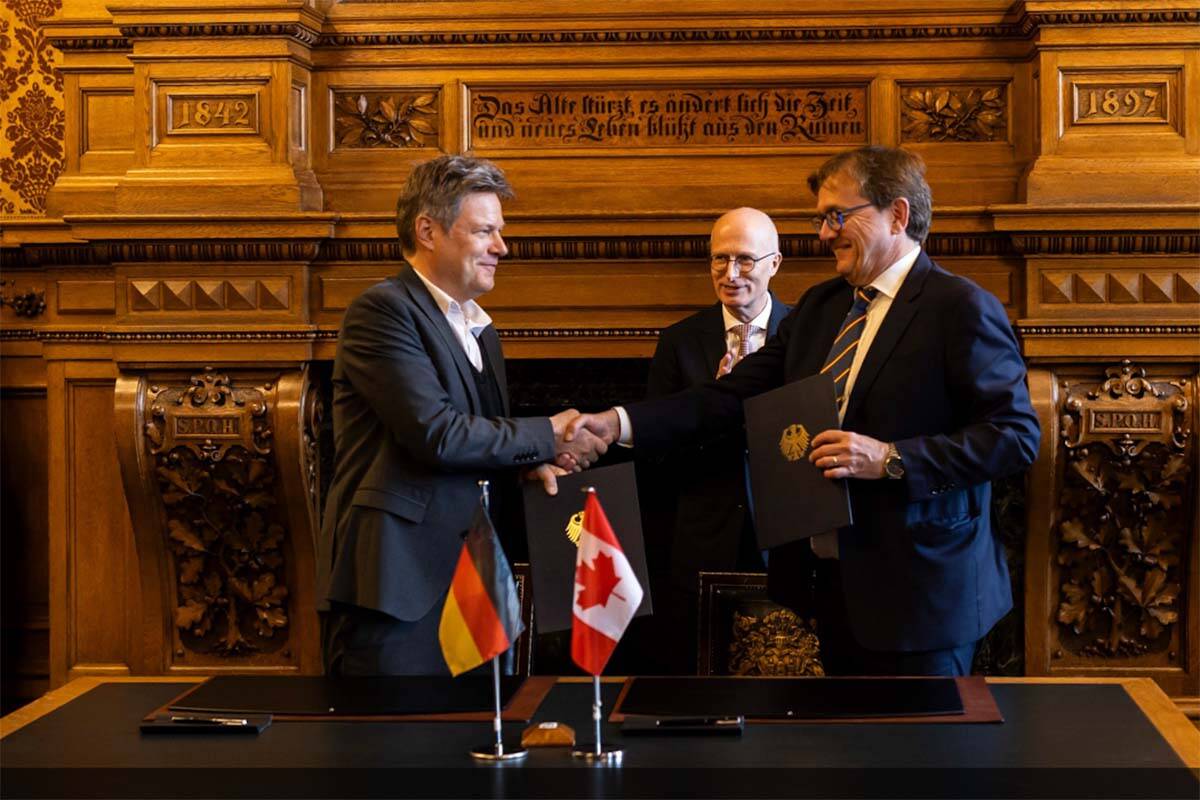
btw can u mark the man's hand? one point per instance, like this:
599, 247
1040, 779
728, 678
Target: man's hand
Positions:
575, 450
844, 454
726, 365
606, 426
548, 474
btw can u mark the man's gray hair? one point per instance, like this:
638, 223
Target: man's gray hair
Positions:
885, 174
436, 188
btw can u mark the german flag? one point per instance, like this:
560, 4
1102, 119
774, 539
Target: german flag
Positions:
482, 616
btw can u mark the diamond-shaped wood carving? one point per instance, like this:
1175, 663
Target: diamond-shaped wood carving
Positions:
1158, 287
1089, 287
273, 294
1057, 287
240, 295
177, 295
145, 295
1123, 288
1187, 288
210, 295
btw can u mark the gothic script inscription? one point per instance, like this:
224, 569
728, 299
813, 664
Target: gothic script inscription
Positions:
672, 117
212, 114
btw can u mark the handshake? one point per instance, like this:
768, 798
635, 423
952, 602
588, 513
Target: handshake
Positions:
579, 440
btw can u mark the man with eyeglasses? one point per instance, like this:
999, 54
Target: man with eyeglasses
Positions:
696, 498
933, 407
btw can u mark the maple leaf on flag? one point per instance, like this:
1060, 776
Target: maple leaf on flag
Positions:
598, 580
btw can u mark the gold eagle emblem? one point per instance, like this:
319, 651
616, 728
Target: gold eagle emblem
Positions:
794, 442
575, 527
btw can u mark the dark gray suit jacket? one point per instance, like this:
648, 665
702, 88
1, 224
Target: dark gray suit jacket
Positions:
704, 484
410, 449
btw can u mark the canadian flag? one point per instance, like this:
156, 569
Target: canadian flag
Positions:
607, 593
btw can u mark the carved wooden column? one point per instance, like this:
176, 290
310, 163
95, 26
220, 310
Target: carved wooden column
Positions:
221, 476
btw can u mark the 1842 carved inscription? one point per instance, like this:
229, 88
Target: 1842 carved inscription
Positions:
668, 117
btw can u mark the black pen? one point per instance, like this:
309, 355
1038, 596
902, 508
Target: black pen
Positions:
232, 721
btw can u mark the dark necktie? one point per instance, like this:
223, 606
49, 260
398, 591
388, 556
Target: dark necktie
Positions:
841, 355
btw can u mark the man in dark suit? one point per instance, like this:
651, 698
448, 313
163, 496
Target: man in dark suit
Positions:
697, 495
420, 408
933, 405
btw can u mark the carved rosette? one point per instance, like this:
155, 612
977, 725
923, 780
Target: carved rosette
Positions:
1124, 511
776, 643
212, 442
391, 119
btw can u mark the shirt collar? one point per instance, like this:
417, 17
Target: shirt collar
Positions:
760, 321
890, 280
476, 318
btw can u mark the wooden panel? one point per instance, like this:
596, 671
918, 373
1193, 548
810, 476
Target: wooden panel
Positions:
24, 557
107, 121
86, 297
99, 545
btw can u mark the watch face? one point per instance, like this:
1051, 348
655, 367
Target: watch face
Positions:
894, 467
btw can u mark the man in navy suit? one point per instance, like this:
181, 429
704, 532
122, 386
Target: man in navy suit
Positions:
420, 416
696, 498
933, 406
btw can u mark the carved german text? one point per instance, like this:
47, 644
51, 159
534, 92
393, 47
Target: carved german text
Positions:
671, 117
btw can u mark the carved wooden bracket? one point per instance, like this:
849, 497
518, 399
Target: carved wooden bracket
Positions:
226, 560
1122, 543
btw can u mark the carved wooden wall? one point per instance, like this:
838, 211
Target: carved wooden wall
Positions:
229, 171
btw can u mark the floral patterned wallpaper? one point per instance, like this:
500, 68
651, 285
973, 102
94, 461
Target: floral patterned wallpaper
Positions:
31, 107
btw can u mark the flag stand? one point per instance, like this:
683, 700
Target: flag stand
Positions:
495, 751
598, 753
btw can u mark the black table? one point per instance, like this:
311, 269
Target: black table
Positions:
1058, 740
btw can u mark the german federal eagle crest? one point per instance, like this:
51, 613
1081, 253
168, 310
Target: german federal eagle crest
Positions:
575, 527
794, 442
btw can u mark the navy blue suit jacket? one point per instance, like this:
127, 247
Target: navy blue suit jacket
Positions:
944, 380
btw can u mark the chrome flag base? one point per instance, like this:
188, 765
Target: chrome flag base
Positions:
605, 755
496, 752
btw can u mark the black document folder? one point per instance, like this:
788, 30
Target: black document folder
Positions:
792, 498
367, 696
792, 698
552, 526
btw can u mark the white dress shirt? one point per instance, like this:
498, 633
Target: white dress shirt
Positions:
467, 320
757, 339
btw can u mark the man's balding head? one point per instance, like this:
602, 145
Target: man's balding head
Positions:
744, 233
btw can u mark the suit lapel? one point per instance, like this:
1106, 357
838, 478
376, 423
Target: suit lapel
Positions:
489, 343
429, 307
899, 315
778, 312
713, 340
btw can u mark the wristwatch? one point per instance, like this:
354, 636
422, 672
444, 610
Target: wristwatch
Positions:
893, 464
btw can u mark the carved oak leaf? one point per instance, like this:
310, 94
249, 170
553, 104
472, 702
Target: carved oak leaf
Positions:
263, 586
421, 126
1175, 469
181, 532
423, 104
259, 499
1089, 469
257, 471
239, 588
190, 568
176, 479
226, 487
1164, 499
189, 615
1073, 610
1073, 532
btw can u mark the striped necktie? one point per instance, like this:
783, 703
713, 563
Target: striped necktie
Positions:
744, 332
841, 355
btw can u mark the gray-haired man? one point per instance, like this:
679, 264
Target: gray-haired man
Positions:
420, 407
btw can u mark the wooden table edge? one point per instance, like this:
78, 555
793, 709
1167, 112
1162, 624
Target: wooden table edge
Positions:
56, 698
1171, 723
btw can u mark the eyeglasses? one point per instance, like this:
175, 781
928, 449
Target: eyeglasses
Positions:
836, 219
745, 262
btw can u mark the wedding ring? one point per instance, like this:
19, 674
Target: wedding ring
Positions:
835, 461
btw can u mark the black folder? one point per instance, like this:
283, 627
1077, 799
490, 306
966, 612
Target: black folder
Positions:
792, 498
549, 522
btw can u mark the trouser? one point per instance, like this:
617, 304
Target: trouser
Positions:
841, 654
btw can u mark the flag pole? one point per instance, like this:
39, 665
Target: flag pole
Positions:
598, 753
495, 751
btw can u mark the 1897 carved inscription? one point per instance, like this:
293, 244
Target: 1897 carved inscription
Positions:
761, 116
